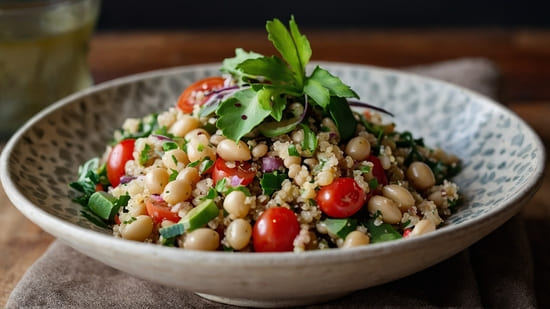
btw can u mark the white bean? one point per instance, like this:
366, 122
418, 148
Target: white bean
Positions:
355, 239
358, 148
202, 239
176, 191
138, 229
185, 124
156, 180
175, 159
198, 134
259, 150
401, 196
390, 212
422, 227
238, 234
235, 205
291, 160
420, 175
197, 150
189, 174
231, 151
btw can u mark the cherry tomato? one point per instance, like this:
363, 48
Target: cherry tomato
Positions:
243, 170
118, 157
342, 198
189, 97
377, 170
159, 211
407, 233
275, 230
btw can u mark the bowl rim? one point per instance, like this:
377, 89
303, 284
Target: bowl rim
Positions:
64, 229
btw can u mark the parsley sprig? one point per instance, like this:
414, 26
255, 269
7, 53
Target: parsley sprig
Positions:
268, 83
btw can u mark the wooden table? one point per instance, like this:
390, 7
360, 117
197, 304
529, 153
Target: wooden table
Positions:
523, 56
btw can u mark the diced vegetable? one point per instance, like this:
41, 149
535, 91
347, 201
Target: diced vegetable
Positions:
103, 204
200, 215
172, 231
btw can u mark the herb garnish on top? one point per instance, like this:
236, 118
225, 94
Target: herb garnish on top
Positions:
267, 85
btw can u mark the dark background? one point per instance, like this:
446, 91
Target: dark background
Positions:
177, 14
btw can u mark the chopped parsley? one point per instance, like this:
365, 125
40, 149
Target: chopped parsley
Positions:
271, 182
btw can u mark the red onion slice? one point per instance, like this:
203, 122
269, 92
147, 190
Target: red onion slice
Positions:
270, 164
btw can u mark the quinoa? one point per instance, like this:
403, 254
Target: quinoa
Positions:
304, 176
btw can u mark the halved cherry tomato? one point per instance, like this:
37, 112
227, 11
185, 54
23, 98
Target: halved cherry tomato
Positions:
241, 169
198, 93
342, 198
159, 211
275, 230
118, 157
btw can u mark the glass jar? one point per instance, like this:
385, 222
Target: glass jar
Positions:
43, 55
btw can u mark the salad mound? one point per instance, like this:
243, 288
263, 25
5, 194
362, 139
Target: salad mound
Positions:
268, 158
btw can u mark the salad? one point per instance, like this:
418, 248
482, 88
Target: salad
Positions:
268, 158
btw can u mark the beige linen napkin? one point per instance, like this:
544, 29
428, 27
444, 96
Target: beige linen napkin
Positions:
496, 272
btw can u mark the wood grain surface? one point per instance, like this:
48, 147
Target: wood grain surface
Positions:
522, 56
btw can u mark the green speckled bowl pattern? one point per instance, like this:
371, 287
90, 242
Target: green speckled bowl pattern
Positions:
503, 163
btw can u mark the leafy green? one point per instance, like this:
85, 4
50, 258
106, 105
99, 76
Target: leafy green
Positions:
223, 188
240, 114
144, 154
341, 227
271, 182
88, 178
205, 165
169, 146
309, 144
173, 175
293, 46
230, 64
271, 68
365, 169
382, 232
343, 118
269, 83
292, 151
334, 85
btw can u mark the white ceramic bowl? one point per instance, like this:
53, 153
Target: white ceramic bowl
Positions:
503, 163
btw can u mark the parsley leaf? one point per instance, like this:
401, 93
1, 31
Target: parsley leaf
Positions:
88, 178
295, 52
309, 144
333, 84
230, 64
240, 114
272, 68
271, 182
292, 151
343, 117
144, 155
270, 83
381, 233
